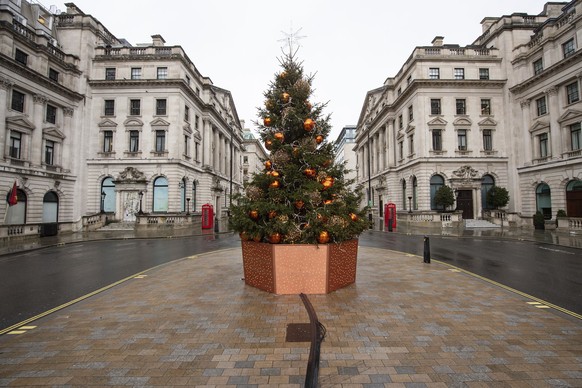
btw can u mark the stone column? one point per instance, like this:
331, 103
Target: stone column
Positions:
555, 132
5, 85
526, 136
68, 144
35, 150
391, 143
206, 143
383, 148
216, 150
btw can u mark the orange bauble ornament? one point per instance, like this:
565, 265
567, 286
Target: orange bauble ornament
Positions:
275, 238
308, 125
328, 201
299, 204
268, 144
327, 182
353, 216
323, 237
285, 97
268, 165
318, 139
275, 184
254, 214
279, 136
275, 173
310, 172
272, 214
267, 121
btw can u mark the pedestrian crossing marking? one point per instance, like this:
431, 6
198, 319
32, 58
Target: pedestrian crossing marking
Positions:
17, 332
27, 327
541, 306
141, 276
454, 270
533, 303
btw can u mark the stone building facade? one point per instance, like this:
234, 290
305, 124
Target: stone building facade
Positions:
94, 124
467, 117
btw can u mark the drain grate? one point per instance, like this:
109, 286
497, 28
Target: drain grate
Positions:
298, 332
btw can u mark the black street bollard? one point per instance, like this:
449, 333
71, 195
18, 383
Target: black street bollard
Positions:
390, 224
216, 227
426, 250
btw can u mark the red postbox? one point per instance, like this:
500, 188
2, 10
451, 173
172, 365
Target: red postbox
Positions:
390, 215
207, 216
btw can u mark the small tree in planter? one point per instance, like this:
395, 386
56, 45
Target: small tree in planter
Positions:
444, 197
539, 221
497, 197
302, 195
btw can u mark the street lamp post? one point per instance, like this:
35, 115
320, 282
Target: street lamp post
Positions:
103, 201
140, 202
410, 204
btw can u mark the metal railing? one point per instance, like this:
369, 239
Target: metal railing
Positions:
317, 336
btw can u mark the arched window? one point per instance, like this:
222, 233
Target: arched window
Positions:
403, 194
50, 207
108, 188
574, 198
160, 202
436, 182
16, 214
183, 194
486, 184
414, 193
544, 200
194, 202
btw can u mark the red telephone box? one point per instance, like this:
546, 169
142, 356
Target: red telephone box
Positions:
390, 214
207, 216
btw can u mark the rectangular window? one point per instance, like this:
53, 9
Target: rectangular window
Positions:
573, 92
15, 144
568, 48
160, 141
408, 80
196, 120
49, 152
110, 73
538, 66
54, 75
401, 150
186, 113
462, 139
51, 114
410, 113
107, 141
399, 91
109, 108
459, 73
400, 122
245, 159
541, 106
483, 73
410, 144
161, 107
576, 136
186, 145
21, 57
196, 151
461, 106
434, 73
133, 141
487, 140
136, 73
17, 101
437, 140
435, 106
162, 72
188, 80
543, 145
134, 107
485, 106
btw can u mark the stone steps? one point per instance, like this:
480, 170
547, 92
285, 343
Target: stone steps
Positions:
480, 224
118, 226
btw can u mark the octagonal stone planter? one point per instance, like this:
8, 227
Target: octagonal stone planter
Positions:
299, 268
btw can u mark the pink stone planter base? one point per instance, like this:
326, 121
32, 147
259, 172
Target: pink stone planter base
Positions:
299, 268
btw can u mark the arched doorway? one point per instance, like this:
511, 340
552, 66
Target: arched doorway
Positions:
574, 198
160, 201
487, 182
50, 207
436, 182
544, 200
108, 188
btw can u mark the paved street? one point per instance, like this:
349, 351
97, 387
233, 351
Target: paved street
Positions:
194, 323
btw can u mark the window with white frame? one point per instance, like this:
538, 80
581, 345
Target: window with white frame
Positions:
459, 73
572, 92
483, 73
541, 107
136, 73
110, 73
575, 137
568, 48
162, 72
434, 73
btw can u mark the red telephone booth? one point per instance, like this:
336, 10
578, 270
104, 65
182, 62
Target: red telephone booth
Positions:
390, 215
207, 216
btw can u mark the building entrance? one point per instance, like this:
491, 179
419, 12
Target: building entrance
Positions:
465, 203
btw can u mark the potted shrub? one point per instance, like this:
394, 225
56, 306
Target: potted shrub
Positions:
561, 219
444, 197
497, 197
297, 218
539, 220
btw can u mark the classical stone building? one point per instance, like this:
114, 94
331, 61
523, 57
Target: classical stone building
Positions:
344, 145
94, 124
504, 110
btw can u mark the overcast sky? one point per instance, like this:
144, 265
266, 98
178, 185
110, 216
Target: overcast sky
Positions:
350, 46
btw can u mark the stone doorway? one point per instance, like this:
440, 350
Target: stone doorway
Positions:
465, 203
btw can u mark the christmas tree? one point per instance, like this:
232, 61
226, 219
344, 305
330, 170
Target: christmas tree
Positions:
302, 195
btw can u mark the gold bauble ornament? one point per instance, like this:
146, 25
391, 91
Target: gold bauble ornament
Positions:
275, 184
285, 97
267, 121
308, 125
272, 214
310, 172
323, 237
328, 201
268, 165
268, 144
327, 182
275, 238
353, 216
275, 174
318, 139
254, 214
279, 136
